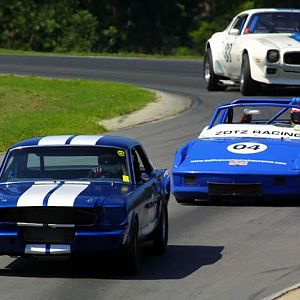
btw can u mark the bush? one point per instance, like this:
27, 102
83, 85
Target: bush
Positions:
80, 34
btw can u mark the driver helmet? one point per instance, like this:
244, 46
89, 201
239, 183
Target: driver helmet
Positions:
295, 116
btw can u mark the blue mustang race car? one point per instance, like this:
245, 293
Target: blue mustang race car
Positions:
64, 195
249, 149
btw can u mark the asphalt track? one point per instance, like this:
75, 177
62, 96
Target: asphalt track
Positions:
229, 251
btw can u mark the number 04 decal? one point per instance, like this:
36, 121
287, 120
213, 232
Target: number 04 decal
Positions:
247, 148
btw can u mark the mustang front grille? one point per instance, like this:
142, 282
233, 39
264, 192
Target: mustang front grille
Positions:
234, 189
292, 58
49, 215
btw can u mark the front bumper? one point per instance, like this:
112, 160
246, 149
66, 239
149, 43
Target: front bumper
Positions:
84, 242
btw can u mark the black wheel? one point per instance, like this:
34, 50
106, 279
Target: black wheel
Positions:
212, 80
131, 253
248, 86
160, 234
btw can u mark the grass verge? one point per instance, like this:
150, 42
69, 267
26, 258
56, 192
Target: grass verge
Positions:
32, 106
120, 54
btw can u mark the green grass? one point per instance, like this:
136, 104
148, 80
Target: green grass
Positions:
32, 106
120, 54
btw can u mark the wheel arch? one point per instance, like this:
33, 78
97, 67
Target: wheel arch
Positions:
256, 69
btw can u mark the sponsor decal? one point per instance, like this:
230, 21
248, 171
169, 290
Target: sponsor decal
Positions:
218, 160
125, 178
238, 163
124, 189
247, 148
121, 153
257, 132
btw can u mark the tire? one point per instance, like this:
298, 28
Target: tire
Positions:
248, 86
212, 80
131, 253
160, 234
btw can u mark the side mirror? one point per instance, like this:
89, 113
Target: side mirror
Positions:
234, 31
145, 177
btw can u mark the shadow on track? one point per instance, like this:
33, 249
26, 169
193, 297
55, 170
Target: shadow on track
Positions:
178, 262
274, 91
247, 202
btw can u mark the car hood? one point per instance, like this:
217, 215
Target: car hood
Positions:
278, 41
64, 194
240, 156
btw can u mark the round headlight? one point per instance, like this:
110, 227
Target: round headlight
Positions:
273, 56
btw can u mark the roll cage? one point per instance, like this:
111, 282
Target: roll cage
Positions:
223, 114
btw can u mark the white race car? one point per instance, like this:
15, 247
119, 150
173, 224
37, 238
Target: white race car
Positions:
260, 46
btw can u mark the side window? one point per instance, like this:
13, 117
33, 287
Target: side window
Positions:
239, 23
140, 163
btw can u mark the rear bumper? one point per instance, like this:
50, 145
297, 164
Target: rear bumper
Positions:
85, 242
238, 186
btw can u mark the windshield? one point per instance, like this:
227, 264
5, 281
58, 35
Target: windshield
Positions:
274, 22
66, 163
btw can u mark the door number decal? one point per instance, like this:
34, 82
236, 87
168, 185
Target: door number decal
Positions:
227, 55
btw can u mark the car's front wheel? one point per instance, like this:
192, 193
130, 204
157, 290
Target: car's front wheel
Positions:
160, 234
248, 86
212, 80
131, 253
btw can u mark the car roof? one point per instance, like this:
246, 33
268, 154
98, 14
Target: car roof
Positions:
78, 140
262, 10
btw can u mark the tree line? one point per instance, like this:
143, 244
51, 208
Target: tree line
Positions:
139, 26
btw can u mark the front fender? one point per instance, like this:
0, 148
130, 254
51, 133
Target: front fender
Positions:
215, 43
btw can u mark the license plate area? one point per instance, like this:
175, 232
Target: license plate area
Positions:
234, 189
47, 235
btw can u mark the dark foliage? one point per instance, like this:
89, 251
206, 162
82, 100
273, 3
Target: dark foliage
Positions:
154, 27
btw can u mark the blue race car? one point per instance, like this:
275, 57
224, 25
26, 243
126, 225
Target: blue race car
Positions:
250, 149
65, 195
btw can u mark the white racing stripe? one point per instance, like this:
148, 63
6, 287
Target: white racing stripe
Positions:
85, 139
35, 249
35, 195
60, 249
54, 140
66, 195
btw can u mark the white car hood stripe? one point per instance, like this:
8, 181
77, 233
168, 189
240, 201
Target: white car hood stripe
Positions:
52, 249
66, 195
85, 139
35, 249
54, 140
35, 195
60, 249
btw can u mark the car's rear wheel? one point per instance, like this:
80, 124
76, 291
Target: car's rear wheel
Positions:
212, 80
160, 234
248, 86
131, 253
